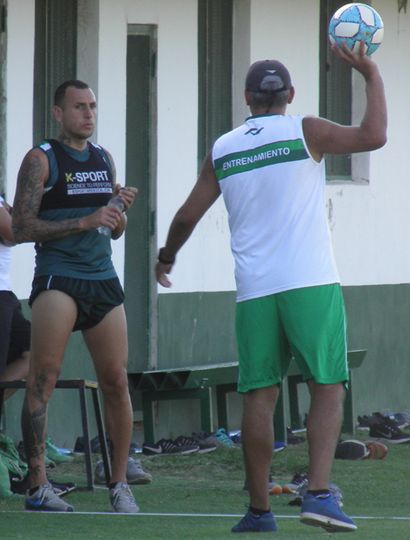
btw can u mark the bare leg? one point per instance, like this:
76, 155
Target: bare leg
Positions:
18, 369
54, 314
108, 345
323, 430
257, 440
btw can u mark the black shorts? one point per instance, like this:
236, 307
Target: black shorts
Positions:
14, 329
94, 298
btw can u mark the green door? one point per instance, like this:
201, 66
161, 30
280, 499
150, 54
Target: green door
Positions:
140, 240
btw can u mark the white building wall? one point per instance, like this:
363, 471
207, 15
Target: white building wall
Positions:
177, 104
278, 31
20, 53
369, 223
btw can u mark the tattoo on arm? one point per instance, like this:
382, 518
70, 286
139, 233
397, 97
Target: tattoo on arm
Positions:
27, 227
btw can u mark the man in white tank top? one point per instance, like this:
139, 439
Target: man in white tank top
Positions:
14, 327
271, 174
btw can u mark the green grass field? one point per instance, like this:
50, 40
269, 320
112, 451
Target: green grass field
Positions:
375, 493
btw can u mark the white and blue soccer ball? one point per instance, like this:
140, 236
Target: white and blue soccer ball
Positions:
354, 23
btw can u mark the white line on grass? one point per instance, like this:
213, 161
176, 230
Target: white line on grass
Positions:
170, 514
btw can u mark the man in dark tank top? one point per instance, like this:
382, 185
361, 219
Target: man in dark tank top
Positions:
62, 196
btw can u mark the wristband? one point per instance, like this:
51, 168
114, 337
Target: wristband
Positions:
165, 260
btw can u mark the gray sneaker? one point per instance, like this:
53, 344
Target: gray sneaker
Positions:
46, 499
122, 499
135, 473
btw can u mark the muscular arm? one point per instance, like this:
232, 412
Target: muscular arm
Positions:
201, 198
128, 195
325, 137
120, 228
27, 226
6, 233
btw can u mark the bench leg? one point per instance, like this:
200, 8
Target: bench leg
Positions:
221, 403
279, 420
293, 382
148, 417
101, 435
221, 408
206, 410
86, 433
348, 410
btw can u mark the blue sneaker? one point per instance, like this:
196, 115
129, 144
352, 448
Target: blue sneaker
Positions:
224, 439
253, 523
324, 511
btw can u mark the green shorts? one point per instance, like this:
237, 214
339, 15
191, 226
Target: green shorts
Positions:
308, 324
94, 298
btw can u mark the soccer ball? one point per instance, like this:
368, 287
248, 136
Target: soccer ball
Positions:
354, 23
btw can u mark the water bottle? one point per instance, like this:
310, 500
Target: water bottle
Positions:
117, 203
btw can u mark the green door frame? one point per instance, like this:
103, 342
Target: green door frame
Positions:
141, 241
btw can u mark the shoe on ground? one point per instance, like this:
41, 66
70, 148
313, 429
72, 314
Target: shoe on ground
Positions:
364, 422
151, 449
324, 511
351, 449
122, 499
62, 488
278, 446
206, 438
45, 499
20, 486
236, 437
292, 438
135, 473
163, 447
134, 449
224, 439
206, 443
388, 431
293, 487
187, 445
53, 453
402, 419
254, 523
302, 490
79, 446
390, 418
377, 450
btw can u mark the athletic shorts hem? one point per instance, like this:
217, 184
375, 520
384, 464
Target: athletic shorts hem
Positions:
244, 389
94, 299
328, 381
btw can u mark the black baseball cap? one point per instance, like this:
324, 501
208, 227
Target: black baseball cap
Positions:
267, 76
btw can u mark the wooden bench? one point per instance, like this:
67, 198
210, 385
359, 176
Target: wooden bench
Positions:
81, 385
196, 382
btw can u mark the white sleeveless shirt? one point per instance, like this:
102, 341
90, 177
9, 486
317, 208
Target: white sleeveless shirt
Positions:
274, 192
